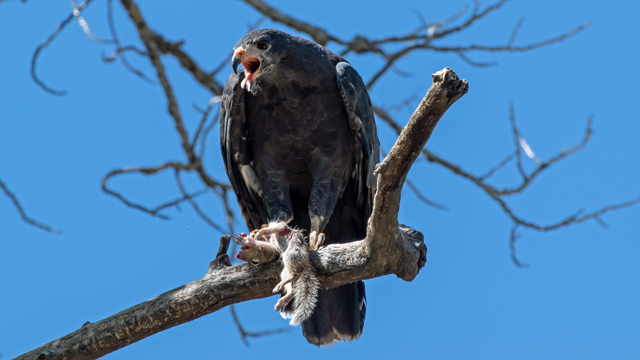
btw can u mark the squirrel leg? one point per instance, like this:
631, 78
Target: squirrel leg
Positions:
287, 276
286, 299
273, 228
255, 251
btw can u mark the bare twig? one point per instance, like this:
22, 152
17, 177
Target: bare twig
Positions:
176, 202
146, 171
195, 206
401, 73
479, 64
177, 167
23, 214
472, 20
120, 50
391, 59
40, 47
417, 191
514, 236
571, 220
319, 35
515, 30
244, 334
204, 136
500, 165
516, 139
542, 165
431, 28
509, 47
423, 198
256, 24
85, 25
401, 105
205, 114
175, 49
225, 62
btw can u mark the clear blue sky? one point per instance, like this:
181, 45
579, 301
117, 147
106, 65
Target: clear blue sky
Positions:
578, 300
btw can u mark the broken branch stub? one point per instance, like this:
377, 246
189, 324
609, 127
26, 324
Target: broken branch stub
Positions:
445, 90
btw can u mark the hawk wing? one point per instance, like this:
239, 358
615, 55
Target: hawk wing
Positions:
363, 125
237, 153
340, 312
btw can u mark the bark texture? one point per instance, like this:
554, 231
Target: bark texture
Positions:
389, 248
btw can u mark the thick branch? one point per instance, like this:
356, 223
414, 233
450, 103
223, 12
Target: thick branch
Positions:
389, 248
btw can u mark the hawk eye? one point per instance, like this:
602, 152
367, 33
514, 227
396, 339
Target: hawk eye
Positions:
263, 45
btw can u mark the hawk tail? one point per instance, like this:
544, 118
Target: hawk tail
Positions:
339, 315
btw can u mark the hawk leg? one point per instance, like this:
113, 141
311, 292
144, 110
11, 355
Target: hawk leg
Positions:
324, 197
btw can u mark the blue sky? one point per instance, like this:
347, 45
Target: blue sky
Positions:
578, 299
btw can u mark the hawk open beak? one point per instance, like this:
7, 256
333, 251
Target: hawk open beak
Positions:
250, 64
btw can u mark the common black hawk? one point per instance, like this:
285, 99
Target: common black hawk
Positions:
299, 144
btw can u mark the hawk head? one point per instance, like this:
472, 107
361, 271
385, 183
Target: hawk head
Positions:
273, 56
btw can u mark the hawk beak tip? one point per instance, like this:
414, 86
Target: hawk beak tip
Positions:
237, 59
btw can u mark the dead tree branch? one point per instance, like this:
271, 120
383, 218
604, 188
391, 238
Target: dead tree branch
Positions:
389, 248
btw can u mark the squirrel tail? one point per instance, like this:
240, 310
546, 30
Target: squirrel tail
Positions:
305, 296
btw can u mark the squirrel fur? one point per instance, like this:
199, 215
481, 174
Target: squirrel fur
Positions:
298, 284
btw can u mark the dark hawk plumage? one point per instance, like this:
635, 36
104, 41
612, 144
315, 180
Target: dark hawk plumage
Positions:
299, 144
